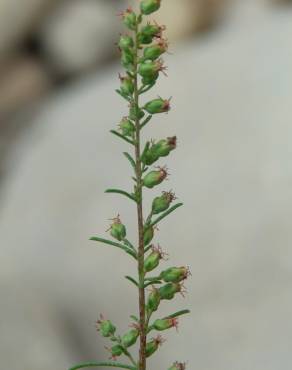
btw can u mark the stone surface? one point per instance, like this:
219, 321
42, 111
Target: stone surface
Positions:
232, 98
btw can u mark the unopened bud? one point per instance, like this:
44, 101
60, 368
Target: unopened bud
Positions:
150, 69
175, 274
149, 6
164, 147
169, 290
130, 338
153, 300
117, 229
164, 324
178, 366
126, 42
152, 261
154, 178
155, 51
106, 327
129, 18
162, 203
157, 106
150, 31
127, 127
136, 113
148, 235
127, 59
127, 85
116, 351
153, 345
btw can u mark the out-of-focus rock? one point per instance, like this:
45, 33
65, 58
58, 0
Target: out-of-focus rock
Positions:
79, 34
18, 18
22, 81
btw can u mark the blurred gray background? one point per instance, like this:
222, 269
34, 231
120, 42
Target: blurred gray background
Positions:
230, 77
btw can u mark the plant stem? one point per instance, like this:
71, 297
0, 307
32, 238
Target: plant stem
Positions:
142, 355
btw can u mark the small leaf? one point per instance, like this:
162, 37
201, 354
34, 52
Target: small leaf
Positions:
129, 244
176, 314
132, 280
144, 123
166, 213
122, 136
122, 192
135, 318
115, 244
131, 160
123, 95
152, 282
106, 364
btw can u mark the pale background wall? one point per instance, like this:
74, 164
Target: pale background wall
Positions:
232, 114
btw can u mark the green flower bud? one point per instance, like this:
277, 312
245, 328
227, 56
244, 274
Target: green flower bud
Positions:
169, 290
148, 235
177, 366
153, 345
152, 261
157, 106
150, 80
116, 351
127, 85
164, 324
127, 59
117, 229
106, 327
175, 274
144, 39
149, 6
164, 147
153, 300
127, 127
150, 69
155, 51
154, 178
162, 203
136, 113
130, 338
152, 30
149, 156
129, 18
126, 42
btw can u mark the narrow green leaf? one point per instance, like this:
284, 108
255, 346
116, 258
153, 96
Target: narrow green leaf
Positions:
123, 95
106, 364
144, 123
132, 280
131, 160
152, 282
166, 213
115, 244
122, 192
135, 318
129, 244
176, 314
144, 89
114, 132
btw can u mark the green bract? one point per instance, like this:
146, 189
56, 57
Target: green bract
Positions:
127, 85
117, 350
149, 6
129, 19
155, 51
152, 261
